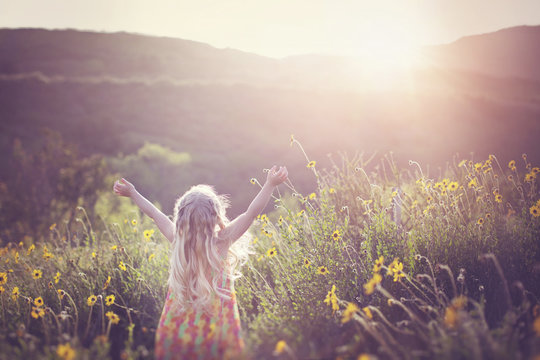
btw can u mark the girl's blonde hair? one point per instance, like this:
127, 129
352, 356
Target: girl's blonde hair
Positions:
196, 264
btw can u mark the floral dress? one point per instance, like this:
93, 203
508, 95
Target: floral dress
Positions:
191, 334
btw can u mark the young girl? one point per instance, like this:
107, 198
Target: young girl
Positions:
200, 318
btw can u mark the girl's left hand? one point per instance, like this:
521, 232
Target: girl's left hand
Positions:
276, 177
123, 188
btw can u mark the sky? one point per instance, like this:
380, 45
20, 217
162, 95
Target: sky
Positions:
281, 28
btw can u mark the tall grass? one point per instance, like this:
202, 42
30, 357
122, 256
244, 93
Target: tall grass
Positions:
377, 261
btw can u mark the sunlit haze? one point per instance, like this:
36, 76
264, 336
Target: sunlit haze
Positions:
389, 30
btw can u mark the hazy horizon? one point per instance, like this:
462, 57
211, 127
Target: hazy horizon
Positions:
280, 29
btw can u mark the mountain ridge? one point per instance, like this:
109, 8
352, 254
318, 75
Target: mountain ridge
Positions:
72, 52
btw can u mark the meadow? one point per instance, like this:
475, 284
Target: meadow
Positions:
376, 262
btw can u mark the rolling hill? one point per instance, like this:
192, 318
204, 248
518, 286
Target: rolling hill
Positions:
233, 112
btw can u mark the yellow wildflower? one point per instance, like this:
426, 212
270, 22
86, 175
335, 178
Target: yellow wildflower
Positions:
15, 293
349, 312
36, 274
281, 344
459, 302
336, 235
536, 326
114, 247
450, 317
331, 299
453, 186
52, 227
38, 301
253, 181
312, 196
271, 252
535, 210
37, 312
331, 190
91, 300
391, 266
3, 278
322, 270
61, 293
396, 269
151, 256
113, 318
480, 221
473, 183
266, 233
306, 262
109, 300
30, 249
65, 351
311, 164
378, 264
107, 282
122, 266
133, 222
57, 277
367, 311
47, 255
498, 198
369, 287
398, 272
148, 234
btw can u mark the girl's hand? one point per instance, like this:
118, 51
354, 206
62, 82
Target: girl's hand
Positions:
276, 177
123, 188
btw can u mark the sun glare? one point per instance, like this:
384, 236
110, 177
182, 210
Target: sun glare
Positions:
387, 51
384, 43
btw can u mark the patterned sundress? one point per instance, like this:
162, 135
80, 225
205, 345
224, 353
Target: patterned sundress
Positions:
194, 335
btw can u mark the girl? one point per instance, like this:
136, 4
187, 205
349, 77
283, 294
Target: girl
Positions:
200, 318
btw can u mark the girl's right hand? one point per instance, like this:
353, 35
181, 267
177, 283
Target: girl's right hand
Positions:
123, 188
274, 177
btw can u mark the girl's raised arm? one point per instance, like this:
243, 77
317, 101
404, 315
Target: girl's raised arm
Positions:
241, 224
164, 224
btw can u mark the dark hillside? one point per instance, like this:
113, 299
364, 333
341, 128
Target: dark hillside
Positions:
233, 112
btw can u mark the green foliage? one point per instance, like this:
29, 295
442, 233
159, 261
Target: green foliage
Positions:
455, 219
155, 164
353, 268
47, 180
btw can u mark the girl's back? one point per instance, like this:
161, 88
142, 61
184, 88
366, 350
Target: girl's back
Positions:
200, 318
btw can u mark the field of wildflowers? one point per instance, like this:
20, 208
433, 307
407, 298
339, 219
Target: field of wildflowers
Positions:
386, 263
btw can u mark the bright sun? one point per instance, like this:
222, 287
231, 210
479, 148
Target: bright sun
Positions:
387, 44
387, 51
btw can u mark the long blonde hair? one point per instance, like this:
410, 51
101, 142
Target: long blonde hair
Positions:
196, 264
